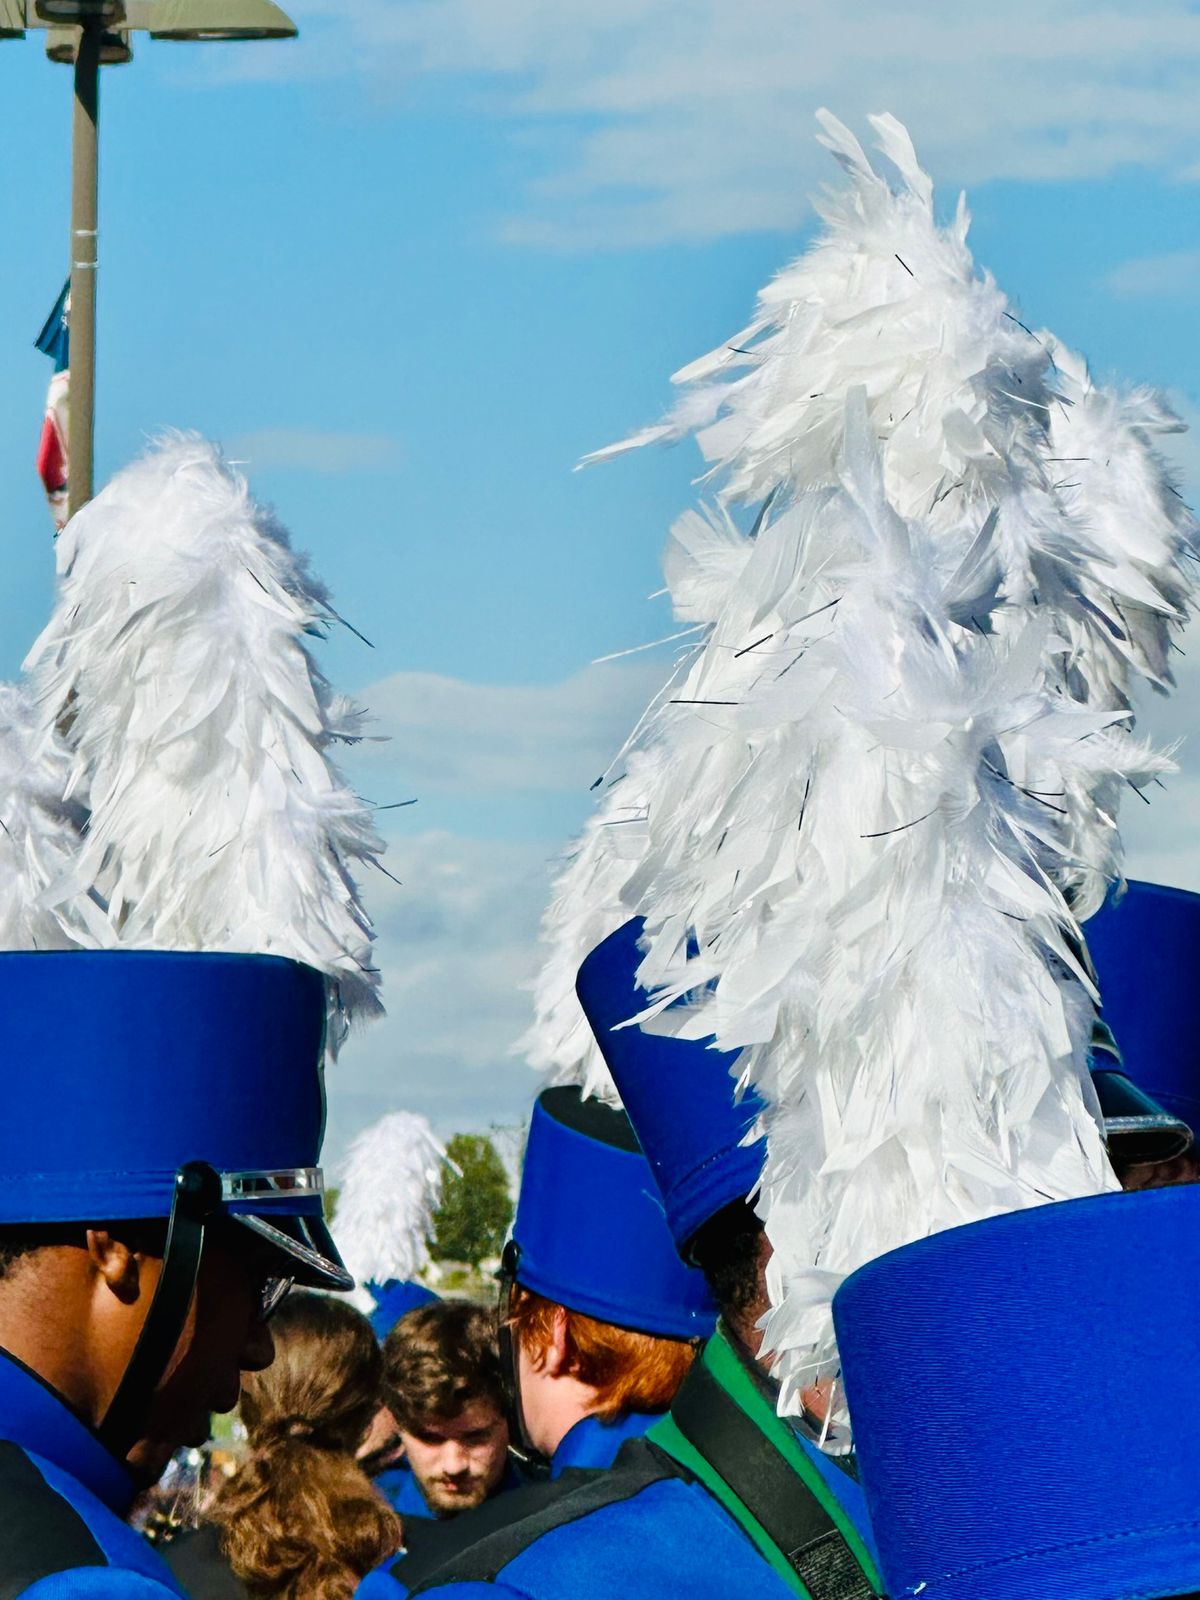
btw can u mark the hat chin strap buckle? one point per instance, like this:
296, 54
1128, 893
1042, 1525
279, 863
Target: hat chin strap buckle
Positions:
197, 1199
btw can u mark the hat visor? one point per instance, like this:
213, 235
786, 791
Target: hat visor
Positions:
1136, 1128
305, 1247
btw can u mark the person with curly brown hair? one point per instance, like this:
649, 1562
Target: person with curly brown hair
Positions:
443, 1389
299, 1519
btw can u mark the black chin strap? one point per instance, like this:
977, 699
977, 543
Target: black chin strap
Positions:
197, 1199
533, 1459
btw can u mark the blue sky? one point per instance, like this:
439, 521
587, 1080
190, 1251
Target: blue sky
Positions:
413, 265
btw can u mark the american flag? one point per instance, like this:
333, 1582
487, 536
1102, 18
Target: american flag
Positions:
55, 341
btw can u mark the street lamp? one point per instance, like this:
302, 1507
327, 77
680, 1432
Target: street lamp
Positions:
89, 34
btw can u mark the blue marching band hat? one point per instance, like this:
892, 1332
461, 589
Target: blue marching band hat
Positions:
678, 1092
1143, 945
166, 1060
168, 1085
393, 1300
614, 1259
1022, 1390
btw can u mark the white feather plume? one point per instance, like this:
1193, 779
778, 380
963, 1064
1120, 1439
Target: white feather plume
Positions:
199, 728
39, 831
883, 790
391, 1185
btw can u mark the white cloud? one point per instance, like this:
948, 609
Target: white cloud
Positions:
1172, 276
316, 450
447, 736
457, 947
646, 120
457, 936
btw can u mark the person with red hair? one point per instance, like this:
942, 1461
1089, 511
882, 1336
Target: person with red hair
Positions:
600, 1320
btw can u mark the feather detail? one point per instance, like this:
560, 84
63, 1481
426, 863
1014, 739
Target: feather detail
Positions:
869, 815
391, 1185
199, 729
39, 831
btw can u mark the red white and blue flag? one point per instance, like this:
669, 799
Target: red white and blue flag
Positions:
55, 341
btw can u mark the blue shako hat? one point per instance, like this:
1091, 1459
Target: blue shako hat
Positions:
393, 1300
129, 1066
1013, 1386
1143, 947
678, 1092
589, 1231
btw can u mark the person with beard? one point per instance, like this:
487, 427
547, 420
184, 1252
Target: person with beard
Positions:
442, 1387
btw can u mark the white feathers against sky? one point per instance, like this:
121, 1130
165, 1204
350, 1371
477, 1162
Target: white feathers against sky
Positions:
168, 779
878, 792
881, 788
391, 1185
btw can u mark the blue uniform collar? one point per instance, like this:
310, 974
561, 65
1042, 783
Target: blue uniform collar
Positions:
38, 1419
593, 1442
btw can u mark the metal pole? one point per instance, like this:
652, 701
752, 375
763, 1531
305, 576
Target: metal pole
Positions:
81, 405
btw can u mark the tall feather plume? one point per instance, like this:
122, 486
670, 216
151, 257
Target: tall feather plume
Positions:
881, 794
391, 1185
199, 730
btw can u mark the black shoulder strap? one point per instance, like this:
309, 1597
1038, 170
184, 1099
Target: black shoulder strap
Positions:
41, 1533
537, 1509
789, 1511
200, 1565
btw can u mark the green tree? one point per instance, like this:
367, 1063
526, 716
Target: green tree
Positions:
476, 1209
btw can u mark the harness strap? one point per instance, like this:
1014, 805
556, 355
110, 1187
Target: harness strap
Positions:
765, 1494
525, 1515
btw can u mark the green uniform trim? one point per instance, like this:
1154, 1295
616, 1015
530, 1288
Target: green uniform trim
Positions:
726, 1368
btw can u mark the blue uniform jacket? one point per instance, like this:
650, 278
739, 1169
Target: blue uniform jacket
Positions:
650, 1529
62, 1501
592, 1443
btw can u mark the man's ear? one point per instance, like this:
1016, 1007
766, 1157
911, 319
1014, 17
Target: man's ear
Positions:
556, 1357
117, 1263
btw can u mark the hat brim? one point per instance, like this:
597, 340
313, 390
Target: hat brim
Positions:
305, 1247
1137, 1129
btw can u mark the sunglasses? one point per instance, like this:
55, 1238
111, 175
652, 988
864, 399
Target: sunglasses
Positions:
273, 1293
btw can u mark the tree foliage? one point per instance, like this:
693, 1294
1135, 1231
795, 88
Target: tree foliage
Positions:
476, 1209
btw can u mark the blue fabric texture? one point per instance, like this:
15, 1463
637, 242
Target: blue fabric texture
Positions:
678, 1092
75, 1465
1021, 1391
671, 1540
591, 1235
393, 1300
1144, 947
163, 1058
592, 1443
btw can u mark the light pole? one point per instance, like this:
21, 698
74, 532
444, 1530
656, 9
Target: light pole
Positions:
89, 34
